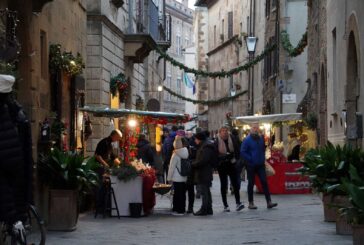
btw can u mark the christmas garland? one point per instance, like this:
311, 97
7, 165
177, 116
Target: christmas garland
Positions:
219, 74
293, 52
204, 102
119, 83
65, 61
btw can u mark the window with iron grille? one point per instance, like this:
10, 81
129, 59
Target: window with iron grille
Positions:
267, 8
230, 24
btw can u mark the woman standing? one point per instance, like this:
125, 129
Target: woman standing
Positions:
179, 182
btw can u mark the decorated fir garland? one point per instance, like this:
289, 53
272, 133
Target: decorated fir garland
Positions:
221, 73
119, 83
293, 52
204, 102
7, 68
65, 61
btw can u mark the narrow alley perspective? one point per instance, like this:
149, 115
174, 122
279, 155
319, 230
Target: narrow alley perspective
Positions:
181, 122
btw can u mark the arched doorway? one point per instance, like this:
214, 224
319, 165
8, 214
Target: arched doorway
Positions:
352, 91
323, 107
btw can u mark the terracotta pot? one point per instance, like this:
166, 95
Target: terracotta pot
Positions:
358, 234
62, 210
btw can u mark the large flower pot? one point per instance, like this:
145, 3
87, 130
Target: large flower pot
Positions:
62, 210
342, 225
358, 234
330, 202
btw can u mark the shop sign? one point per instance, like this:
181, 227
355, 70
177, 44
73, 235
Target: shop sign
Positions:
289, 98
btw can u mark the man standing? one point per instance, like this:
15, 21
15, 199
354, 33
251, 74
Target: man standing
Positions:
253, 152
203, 172
104, 154
228, 151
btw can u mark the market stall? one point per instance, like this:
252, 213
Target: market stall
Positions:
286, 179
135, 181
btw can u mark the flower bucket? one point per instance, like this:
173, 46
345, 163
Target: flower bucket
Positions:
135, 209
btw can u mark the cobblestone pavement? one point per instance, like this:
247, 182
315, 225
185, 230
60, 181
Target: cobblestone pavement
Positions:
298, 219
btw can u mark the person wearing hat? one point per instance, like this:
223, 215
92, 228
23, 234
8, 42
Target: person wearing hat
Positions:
203, 172
104, 153
179, 182
16, 162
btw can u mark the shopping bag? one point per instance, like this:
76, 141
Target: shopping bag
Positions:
269, 170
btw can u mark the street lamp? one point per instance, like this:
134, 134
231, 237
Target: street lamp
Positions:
251, 43
232, 93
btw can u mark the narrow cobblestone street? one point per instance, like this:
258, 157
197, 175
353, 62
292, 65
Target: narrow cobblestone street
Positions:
297, 220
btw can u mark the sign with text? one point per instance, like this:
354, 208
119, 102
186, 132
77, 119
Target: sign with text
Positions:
288, 98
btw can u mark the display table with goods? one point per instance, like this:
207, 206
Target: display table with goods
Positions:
133, 188
286, 180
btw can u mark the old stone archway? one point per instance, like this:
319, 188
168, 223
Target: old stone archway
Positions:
352, 84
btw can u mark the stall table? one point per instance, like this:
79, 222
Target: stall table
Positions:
286, 180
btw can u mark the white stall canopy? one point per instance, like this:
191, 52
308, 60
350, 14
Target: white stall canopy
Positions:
268, 118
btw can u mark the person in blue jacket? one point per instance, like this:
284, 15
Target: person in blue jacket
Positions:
253, 152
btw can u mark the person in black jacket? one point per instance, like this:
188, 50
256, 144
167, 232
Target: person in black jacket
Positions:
203, 172
16, 162
145, 150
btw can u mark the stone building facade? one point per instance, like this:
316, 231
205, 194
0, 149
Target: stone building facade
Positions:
344, 89
182, 37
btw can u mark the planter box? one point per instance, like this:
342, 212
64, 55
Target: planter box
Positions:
62, 210
358, 234
342, 226
329, 201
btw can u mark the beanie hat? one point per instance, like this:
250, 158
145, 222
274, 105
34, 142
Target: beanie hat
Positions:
6, 83
177, 144
181, 132
201, 136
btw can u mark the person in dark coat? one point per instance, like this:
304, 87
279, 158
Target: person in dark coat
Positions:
253, 152
145, 150
203, 172
16, 162
228, 159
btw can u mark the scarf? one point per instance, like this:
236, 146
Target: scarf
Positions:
222, 146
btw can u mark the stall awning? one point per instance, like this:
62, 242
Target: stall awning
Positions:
166, 117
268, 118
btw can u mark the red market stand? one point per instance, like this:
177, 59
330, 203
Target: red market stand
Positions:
286, 180
144, 188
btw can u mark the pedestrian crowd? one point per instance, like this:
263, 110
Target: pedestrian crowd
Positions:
201, 155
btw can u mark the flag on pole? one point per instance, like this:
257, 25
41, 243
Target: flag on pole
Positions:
189, 83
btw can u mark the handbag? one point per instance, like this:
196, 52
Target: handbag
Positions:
269, 170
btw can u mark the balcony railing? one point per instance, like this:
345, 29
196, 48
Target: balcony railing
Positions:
150, 21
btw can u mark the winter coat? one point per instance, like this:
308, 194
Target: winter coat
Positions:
173, 173
16, 161
167, 148
145, 152
201, 165
253, 151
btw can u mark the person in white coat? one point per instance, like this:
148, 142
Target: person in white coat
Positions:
179, 182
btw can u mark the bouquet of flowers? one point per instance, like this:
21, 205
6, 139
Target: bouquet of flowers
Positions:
125, 172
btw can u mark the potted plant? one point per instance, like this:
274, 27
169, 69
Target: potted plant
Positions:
67, 176
354, 211
326, 166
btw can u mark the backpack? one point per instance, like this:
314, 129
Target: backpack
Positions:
186, 167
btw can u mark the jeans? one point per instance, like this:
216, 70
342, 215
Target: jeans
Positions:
224, 172
260, 171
